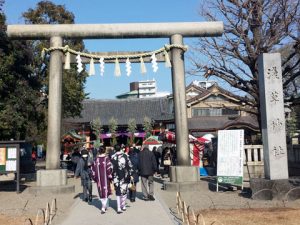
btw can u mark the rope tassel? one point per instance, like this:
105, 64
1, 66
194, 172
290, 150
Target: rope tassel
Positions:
67, 61
167, 60
92, 67
117, 68
143, 67
43, 54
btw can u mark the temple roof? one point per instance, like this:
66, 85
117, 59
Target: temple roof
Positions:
123, 109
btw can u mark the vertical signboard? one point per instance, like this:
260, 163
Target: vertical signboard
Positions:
230, 157
272, 116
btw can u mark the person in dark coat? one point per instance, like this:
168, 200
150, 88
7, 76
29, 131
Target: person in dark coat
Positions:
157, 157
147, 168
133, 157
166, 161
75, 158
84, 171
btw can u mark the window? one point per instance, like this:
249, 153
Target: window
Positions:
229, 112
213, 112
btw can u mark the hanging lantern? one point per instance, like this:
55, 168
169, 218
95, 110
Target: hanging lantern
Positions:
143, 67
92, 67
117, 68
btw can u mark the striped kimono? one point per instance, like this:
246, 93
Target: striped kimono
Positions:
102, 175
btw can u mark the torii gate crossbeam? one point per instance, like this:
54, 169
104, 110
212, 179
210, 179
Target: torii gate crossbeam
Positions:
174, 31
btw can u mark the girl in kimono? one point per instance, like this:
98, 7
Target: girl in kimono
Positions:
122, 171
102, 175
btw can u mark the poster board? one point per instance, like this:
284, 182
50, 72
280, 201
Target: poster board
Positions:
230, 157
10, 159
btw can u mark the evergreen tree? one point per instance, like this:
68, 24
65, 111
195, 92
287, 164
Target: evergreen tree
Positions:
97, 128
47, 12
131, 129
148, 126
20, 109
112, 127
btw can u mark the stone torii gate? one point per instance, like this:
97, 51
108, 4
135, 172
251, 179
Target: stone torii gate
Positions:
174, 31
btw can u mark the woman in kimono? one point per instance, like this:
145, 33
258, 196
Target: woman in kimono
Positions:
102, 175
122, 171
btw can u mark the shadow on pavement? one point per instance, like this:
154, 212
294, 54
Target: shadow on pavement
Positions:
11, 186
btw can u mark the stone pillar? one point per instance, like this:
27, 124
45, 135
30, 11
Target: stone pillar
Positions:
272, 116
54, 106
178, 83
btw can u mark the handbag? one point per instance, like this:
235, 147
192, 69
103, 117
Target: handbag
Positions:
167, 162
131, 186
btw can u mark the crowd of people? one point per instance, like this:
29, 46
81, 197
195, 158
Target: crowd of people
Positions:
117, 170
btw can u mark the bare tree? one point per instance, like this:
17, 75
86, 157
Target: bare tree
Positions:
251, 27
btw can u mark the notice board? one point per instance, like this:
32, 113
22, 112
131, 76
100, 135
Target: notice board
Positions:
10, 159
230, 157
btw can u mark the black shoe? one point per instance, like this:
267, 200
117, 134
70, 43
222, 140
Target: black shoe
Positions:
86, 200
90, 198
132, 200
151, 198
119, 212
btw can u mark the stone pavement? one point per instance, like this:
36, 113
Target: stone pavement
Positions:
162, 211
137, 213
71, 209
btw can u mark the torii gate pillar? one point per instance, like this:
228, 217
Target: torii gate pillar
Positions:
54, 106
178, 83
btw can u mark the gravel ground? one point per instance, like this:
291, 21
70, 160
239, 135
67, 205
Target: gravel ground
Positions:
17, 207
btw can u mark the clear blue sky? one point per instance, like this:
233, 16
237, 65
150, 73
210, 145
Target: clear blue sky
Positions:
119, 11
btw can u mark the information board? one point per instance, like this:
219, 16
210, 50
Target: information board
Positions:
10, 159
230, 157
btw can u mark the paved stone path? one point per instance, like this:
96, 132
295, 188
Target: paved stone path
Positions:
138, 213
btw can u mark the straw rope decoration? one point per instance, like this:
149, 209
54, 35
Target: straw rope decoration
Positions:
101, 58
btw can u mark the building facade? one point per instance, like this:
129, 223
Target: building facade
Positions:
143, 89
209, 108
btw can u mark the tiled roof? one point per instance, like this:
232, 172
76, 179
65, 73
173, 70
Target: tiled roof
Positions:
123, 110
221, 122
208, 92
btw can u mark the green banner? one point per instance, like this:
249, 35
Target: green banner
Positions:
230, 180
